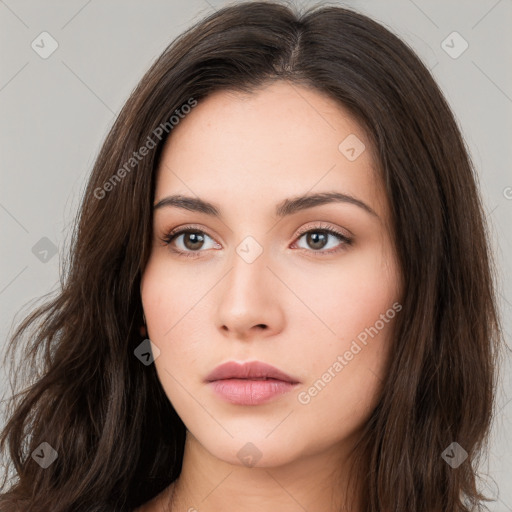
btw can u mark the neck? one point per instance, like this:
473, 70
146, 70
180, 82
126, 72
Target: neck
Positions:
313, 483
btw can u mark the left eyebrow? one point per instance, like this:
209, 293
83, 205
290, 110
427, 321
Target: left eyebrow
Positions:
283, 209
293, 205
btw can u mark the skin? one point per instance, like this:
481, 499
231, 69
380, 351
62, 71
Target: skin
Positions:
247, 153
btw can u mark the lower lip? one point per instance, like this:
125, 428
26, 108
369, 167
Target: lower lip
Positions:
250, 392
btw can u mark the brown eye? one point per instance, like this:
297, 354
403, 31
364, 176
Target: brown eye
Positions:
320, 238
193, 240
316, 239
187, 242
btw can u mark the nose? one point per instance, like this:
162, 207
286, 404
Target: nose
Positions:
249, 300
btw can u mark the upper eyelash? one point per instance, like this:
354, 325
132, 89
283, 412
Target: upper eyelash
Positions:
326, 228
167, 239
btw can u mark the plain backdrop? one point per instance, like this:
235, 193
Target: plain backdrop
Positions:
56, 110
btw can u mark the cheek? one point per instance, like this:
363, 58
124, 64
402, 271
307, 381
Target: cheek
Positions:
355, 307
345, 379
169, 297
340, 301
174, 306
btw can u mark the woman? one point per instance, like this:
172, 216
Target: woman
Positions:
280, 294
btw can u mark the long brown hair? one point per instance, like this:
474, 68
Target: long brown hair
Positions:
118, 440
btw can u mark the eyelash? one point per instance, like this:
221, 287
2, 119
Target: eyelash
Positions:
169, 237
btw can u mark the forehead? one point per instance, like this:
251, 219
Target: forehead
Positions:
282, 140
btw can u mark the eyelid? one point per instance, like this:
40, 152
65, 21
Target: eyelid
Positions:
178, 231
344, 238
187, 227
301, 231
321, 226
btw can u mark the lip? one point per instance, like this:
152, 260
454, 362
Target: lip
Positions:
250, 383
253, 370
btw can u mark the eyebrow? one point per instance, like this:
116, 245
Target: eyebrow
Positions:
283, 209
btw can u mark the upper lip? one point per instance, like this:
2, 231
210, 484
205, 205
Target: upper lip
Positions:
251, 370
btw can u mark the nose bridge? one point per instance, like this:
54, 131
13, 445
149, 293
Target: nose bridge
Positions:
246, 298
249, 271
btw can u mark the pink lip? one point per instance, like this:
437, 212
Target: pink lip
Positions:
250, 383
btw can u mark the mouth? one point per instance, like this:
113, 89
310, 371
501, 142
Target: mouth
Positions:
251, 383
254, 370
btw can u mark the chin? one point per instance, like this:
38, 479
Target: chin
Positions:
253, 450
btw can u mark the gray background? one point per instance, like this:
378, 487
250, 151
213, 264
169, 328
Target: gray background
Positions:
55, 112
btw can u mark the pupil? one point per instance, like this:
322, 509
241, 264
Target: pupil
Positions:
196, 238
315, 237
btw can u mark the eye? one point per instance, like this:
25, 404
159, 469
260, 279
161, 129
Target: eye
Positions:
317, 238
189, 241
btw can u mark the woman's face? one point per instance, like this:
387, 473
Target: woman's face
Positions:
264, 281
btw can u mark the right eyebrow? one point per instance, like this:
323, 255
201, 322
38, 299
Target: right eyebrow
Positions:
284, 208
192, 204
